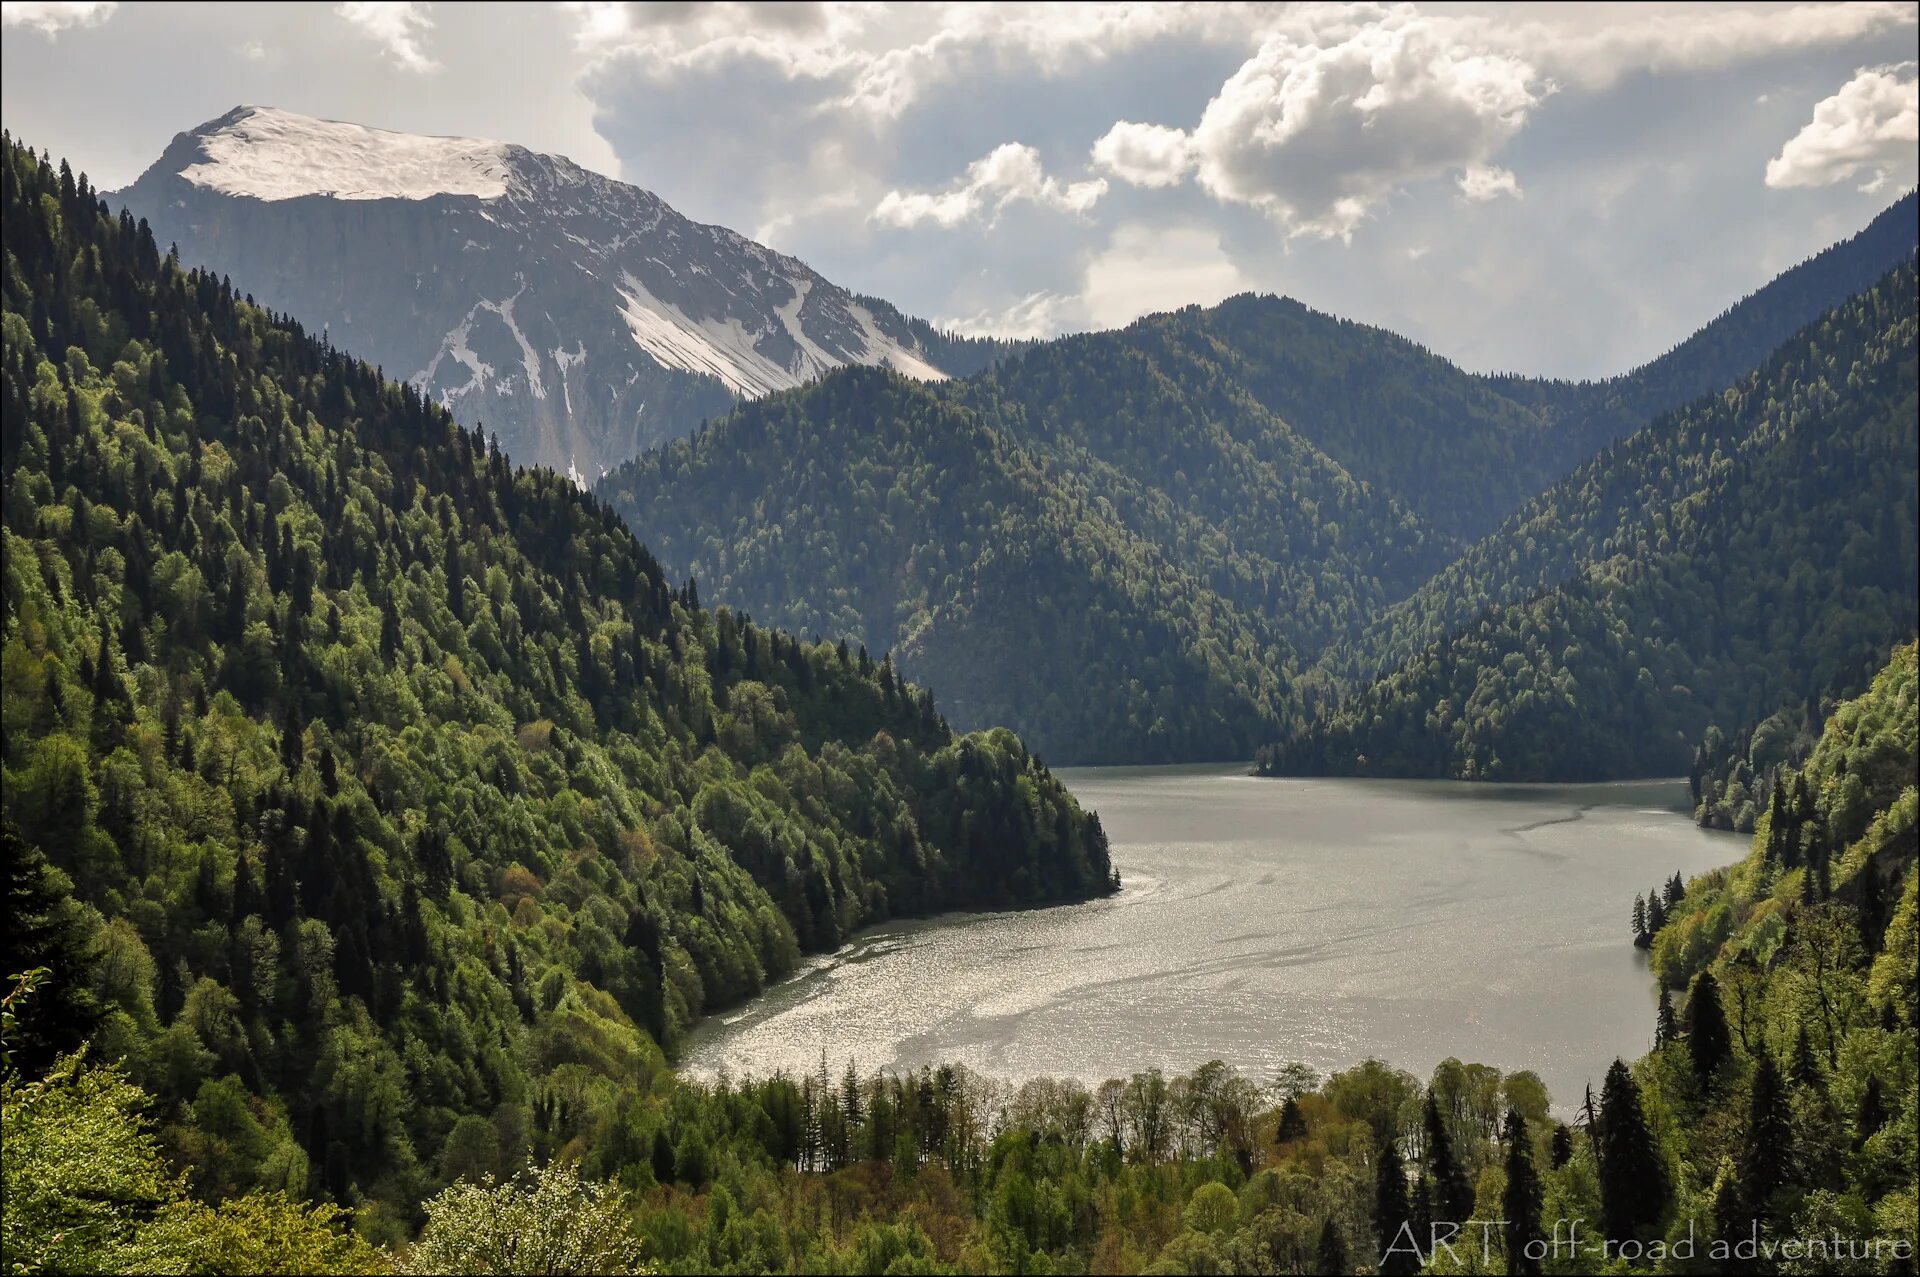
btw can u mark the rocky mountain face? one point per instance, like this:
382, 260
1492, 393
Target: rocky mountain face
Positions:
580, 318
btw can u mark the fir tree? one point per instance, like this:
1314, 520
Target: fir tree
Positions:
1708, 1039
1453, 1195
1521, 1200
1871, 1114
1292, 1124
1767, 1153
1807, 1069
1392, 1215
1633, 1177
1330, 1255
45, 929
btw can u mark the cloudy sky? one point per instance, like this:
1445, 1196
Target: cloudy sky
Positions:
1564, 190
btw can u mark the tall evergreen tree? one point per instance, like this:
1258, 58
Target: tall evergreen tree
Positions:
1453, 1195
1330, 1255
1521, 1201
1807, 1069
1871, 1114
1393, 1215
1767, 1151
45, 928
1634, 1186
1708, 1039
1292, 1125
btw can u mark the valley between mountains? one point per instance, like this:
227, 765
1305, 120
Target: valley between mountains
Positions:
475, 639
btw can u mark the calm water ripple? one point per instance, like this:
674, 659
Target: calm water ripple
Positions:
1263, 921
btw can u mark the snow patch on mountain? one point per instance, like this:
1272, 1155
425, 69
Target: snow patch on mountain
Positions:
566, 360
529, 358
722, 348
270, 155
814, 360
882, 349
454, 344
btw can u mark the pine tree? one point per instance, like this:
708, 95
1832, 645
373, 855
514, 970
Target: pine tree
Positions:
1292, 1124
45, 929
662, 1157
1330, 1256
1767, 1154
1521, 1201
1453, 1195
1665, 1028
1420, 1209
1708, 1039
1871, 1114
1392, 1214
1807, 1070
1633, 1177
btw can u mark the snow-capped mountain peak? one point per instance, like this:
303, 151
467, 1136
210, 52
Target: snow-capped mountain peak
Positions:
270, 154
581, 318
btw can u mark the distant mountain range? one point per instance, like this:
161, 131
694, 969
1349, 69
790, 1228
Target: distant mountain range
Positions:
1174, 541
1145, 545
580, 318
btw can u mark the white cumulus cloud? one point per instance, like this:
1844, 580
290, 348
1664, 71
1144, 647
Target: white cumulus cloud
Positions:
1145, 154
50, 17
1483, 182
1010, 173
1870, 128
1338, 109
397, 27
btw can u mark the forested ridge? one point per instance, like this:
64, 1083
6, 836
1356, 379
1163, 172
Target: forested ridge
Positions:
1255, 507
1591, 414
1599, 508
382, 802
1739, 556
1774, 1114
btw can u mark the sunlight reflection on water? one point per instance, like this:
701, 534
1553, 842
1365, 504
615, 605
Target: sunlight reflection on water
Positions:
1262, 921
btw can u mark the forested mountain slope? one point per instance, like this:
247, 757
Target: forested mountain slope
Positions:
400, 801
1581, 518
869, 506
1589, 415
1772, 549
1167, 554
1263, 501
1781, 1090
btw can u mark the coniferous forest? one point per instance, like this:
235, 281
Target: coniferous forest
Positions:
1742, 555
381, 796
385, 821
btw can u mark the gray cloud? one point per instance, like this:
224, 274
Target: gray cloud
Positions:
1561, 189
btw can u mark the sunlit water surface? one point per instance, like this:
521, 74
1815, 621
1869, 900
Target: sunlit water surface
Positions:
1263, 921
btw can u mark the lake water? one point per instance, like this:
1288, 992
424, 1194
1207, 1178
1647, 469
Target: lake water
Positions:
1263, 921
